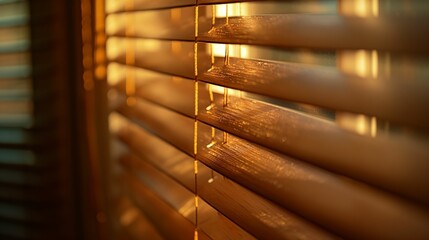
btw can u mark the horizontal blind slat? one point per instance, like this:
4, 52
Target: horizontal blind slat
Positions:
320, 32
168, 57
388, 99
159, 120
173, 93
174, 64
177, 24
141, 5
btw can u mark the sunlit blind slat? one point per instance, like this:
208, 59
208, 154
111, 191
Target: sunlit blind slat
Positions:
161, 19
388, 99
139, 5
324, 32
157, 55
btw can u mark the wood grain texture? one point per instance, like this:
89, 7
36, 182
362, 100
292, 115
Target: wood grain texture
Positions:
258, 216
333, 201
290, 182
251, 214
325, 144
304, 137
321, 32
388, 99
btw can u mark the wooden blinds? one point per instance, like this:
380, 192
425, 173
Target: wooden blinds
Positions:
269, 119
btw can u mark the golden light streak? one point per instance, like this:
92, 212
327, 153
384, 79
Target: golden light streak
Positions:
226, 57
225, 97
210, 90
373, 127
212, 57
196, 122
220, 10
225, 137
374, 63
361, 64
196, 98
213, 15
360, 8
375, 10
130, 84
244, 51
226, 14
229, 10
196, 22
195, 167
195, 137
361, 124
196, 234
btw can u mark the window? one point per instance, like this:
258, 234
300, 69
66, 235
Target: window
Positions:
270, 119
